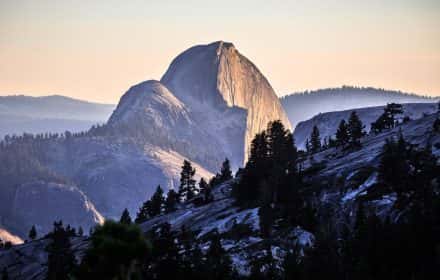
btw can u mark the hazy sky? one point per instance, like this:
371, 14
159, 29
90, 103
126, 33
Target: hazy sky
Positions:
95, 50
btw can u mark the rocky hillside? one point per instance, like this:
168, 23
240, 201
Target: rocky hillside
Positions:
327, 123
343, 177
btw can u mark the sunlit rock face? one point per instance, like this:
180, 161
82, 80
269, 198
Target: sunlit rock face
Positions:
216, 78
152, 115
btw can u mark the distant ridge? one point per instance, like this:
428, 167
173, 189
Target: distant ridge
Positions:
54, 106
52, 113
301, 106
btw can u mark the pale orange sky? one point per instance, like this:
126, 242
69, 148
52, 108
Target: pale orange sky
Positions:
95, 50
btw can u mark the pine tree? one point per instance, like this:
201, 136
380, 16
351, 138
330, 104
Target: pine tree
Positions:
80, 231
225, 172
205, 191
115, 251
217, 260
315, 140
271, 170
256, 169
187, 183
61, 260
32, 233
70, 230
125, 217
157, 202
166, 255
322, 262
355, 129
342, 134
394, 161
266, 218
171, 201
143, 213
391, 110
388, 118
282, 161
224, 175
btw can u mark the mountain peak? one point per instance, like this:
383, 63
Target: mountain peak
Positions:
147, 99
222, 45
216, 76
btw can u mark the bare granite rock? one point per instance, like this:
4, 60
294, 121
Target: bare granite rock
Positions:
216, 78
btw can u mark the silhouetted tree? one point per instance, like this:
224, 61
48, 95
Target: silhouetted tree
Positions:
125, 217
143, 213
355, 129
171, 201
246, 191
116, 251
61, 261
32, 233
225, 172
80, 231
315, 140
205, 191
266, 216
342, 134
271, 174
217, 260
157, 202
187, 183
388, 118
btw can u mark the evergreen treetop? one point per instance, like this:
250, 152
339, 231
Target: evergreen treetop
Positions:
61, 261
157, 201
143, 213
225, 172
355, 129
170, 204
315, 140
342, 134
388, 118
125, 217
32, 233
187, 188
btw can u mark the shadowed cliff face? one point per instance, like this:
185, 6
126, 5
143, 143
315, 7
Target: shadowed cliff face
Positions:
216, 77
